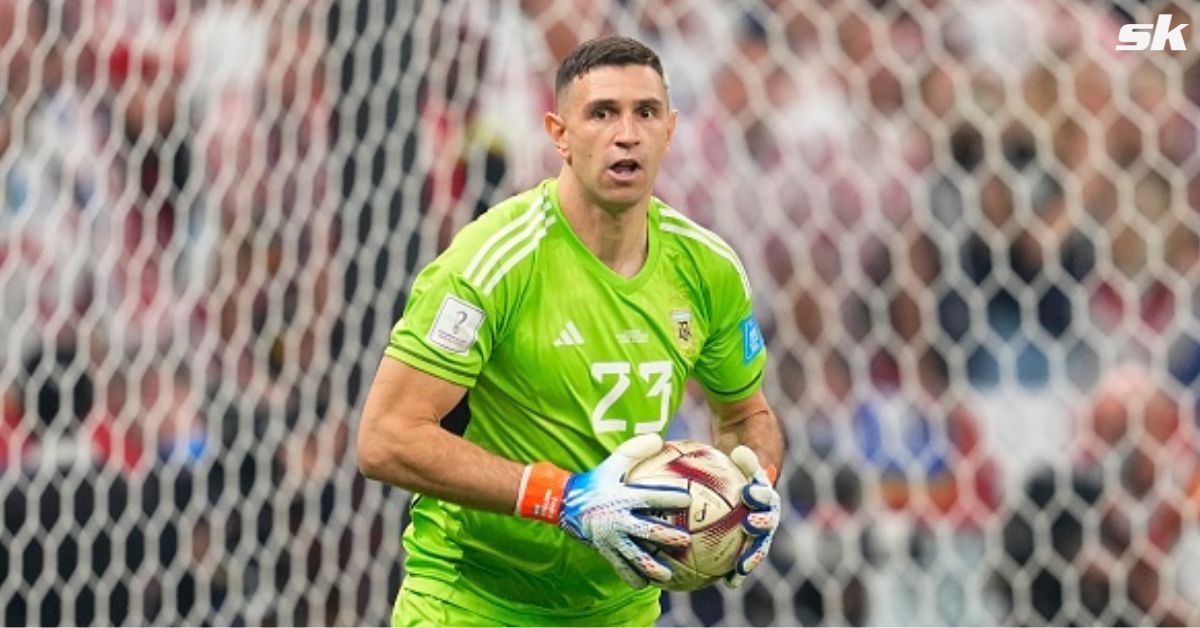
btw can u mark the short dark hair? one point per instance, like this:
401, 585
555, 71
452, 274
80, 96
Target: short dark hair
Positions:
614, 50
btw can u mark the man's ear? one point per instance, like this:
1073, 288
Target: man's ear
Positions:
557, 130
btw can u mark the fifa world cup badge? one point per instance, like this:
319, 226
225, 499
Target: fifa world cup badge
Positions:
683, 328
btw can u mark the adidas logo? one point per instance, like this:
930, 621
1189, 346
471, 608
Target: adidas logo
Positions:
568, 336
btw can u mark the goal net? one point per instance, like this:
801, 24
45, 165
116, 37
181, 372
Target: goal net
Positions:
971, 229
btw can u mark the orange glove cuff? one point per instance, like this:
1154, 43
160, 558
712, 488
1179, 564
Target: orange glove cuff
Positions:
541, 492
772, 474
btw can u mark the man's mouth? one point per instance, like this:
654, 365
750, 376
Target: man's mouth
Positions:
625, 168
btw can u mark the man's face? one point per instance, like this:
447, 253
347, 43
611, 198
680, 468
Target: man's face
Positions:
615, 127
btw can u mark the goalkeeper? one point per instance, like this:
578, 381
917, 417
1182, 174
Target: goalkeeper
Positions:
574, 313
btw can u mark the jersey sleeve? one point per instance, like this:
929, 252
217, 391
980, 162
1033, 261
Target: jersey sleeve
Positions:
731, 362
450, 325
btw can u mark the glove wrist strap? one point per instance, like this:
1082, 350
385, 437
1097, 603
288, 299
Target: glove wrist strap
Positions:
541, 492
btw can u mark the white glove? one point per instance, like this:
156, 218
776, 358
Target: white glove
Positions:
763, 519
602, 511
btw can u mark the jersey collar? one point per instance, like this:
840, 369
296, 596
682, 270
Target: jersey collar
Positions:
589, 259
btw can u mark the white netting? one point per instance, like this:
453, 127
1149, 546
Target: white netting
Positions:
971, 226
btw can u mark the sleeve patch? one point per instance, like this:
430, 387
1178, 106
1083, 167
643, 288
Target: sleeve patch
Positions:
456, 327
752, 339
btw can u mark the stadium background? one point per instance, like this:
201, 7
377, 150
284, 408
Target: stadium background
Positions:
971, 226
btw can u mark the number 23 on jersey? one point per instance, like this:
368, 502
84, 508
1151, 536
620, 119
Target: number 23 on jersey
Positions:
616, 379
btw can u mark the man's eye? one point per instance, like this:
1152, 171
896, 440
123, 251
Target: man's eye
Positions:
600, 114
646, 112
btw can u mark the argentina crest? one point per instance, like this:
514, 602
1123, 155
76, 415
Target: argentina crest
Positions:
684, 332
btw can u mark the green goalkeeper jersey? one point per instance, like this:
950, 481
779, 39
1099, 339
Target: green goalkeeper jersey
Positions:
565, 359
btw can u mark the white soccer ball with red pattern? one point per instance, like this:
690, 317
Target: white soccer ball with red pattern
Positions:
714, 518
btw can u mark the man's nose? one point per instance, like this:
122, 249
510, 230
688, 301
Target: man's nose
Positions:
627, 132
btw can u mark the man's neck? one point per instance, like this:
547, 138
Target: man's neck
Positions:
616, 237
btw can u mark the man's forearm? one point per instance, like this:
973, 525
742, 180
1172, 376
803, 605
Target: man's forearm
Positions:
401, 442
429, 460
759, 431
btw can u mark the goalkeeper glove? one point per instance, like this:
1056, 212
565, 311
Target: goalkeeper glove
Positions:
760, 523
598, 508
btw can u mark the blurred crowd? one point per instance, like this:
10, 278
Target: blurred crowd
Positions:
168, 228
973, 233
972, 229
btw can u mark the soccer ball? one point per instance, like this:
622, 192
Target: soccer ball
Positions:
714, 518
